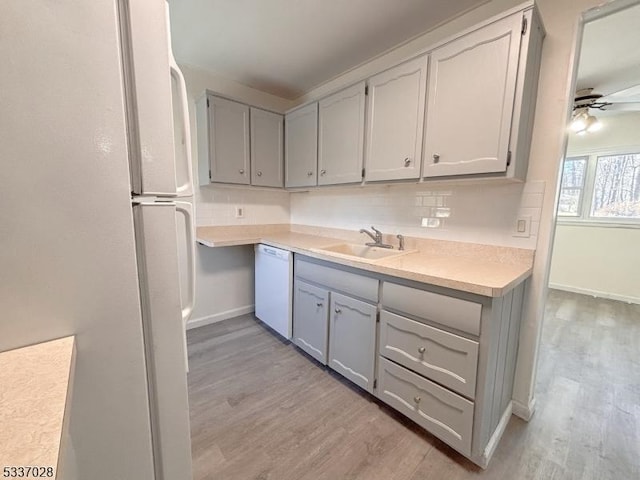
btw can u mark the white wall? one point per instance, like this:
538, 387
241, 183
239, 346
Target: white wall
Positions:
598, 261
224, 282
592, 259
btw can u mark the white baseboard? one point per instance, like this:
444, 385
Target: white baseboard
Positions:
595, 293
492, 444
525, 412
218, 317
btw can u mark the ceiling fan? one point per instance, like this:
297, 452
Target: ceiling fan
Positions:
583, 122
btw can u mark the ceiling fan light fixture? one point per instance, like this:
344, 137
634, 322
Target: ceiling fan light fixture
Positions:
579, 121
583, 122
593, 124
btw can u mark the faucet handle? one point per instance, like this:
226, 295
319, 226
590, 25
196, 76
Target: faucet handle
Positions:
376, 230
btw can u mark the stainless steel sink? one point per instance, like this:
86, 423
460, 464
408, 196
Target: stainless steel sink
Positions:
363, 251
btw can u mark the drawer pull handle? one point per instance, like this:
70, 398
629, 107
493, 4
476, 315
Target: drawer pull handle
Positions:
241, 171
323, 172
436, 158
318, 304
417, 399
407, 162
422, 350
259, 174
337, 310
309, 174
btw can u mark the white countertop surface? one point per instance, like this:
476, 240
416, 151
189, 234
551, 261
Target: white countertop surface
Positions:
484, 270
34, 383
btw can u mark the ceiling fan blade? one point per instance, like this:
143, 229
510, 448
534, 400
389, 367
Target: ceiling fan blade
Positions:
630, 94
623, 107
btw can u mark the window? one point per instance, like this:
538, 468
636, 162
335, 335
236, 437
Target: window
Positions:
572, 186
601, 188
616, 189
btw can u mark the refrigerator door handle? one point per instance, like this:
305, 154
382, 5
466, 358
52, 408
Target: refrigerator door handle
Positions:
186, 209
186, 189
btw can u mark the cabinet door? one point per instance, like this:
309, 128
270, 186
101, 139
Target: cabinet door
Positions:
471, 95
228, 141
267, 160
341, 136
311, 320
301, 147
395, 121
352, 333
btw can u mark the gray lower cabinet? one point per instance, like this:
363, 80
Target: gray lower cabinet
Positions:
352, 339
311, 320
445, 414
445, 358
449, 359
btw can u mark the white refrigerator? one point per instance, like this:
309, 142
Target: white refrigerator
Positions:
96, 187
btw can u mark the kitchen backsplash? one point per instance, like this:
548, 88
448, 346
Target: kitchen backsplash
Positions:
469, 213
216, 205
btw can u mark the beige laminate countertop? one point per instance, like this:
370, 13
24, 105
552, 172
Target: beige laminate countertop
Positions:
469, 272
34, 382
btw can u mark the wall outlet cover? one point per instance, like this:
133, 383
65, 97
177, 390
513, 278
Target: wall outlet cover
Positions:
239, 211
523, 226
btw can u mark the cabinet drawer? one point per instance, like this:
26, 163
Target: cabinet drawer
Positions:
447, 415
450, 311
448, 359
335, 279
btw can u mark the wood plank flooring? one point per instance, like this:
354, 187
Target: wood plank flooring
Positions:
263, 410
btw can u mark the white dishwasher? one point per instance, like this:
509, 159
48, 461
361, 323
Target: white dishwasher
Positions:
274, 288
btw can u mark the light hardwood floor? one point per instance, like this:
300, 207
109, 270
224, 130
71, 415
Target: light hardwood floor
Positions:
263, 410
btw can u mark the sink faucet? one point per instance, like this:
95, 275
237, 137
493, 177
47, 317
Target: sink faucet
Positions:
377, 238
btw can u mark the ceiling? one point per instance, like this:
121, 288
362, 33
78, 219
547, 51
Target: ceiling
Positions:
610, 57
288, 47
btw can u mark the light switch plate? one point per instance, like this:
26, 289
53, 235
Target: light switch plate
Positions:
523, 226
239, 211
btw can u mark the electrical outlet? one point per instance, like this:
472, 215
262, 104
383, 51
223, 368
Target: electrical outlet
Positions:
239, 211
523, 226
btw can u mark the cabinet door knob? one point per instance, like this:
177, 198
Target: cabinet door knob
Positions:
407, 162
436, 158
241, 171
417, 399
309, 174
337, 310
323, 172
422, 350
259, 174
318, 304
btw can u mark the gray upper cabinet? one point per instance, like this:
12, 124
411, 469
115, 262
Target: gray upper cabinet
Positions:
473, 120
311, 320
352, 334
341, 136
395, 122
267, 152
228, 141
301, 147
